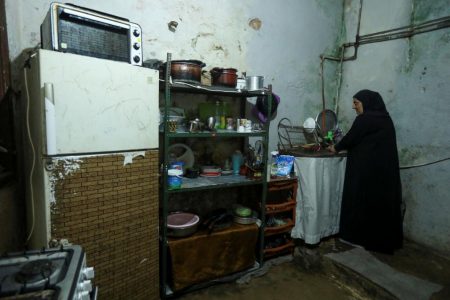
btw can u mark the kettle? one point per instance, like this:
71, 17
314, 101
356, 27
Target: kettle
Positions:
195, 125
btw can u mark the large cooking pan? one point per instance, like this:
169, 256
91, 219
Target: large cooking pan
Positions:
185, 70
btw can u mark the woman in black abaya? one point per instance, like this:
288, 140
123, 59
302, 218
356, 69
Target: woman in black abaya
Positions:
371, 201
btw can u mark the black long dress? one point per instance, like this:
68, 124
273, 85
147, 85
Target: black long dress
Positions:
371, 203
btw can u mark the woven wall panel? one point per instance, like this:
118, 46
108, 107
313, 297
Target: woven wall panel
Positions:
111, 210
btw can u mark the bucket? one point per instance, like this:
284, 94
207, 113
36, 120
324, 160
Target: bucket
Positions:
174, 179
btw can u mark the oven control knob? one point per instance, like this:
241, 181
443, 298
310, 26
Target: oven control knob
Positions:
88, 273
136, 46
136, 59
136, 33
84, 295
86, 285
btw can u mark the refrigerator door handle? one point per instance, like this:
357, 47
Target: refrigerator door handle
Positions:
50, 122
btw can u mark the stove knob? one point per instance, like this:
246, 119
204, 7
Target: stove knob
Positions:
88, 273
136, 46
136, 59
86, 285
84, 296
136, 33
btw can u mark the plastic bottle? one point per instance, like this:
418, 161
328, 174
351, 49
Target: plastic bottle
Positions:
217, 115
273, 164
223, 114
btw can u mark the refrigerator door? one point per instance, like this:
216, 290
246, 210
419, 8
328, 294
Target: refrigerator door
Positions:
92, 105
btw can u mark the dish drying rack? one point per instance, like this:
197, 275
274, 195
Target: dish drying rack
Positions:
292, 137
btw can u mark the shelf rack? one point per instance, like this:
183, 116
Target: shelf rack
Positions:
281, 203
189, 185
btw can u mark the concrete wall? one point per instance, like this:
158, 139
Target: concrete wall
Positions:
283, 42
280, 40
412, 75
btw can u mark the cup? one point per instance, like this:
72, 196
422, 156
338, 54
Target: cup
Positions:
211, 123
229, 123
248, 126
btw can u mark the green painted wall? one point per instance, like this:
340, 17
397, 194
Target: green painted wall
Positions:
412, 75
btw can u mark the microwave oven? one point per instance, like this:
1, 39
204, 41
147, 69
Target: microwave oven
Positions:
78, 30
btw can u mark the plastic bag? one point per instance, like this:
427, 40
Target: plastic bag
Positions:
285, 164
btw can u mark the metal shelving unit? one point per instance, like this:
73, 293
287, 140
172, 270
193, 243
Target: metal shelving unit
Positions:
190, 185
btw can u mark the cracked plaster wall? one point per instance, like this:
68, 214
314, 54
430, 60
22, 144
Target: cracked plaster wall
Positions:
412, 76
285, 48
409, 73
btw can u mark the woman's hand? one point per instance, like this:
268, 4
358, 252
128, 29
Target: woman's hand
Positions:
331, 148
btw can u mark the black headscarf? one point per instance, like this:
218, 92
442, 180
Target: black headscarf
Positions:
372, 103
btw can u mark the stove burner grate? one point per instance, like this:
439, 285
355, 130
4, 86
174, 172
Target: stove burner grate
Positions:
35, 271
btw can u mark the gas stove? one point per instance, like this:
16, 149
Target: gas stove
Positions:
55, 273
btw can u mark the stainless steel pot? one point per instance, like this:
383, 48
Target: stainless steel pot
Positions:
254, 82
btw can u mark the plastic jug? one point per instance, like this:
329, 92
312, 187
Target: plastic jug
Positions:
174, 178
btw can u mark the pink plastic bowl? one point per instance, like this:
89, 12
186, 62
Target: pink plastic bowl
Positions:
182, 224
181, 220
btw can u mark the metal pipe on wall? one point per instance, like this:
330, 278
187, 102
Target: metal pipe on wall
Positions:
377, 37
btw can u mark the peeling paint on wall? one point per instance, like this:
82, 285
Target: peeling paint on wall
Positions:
129, 156
424, 10
61, 168
199, 35
326, 8
58, 169
255, 24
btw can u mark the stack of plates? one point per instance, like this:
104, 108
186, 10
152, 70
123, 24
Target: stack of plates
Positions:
210, 171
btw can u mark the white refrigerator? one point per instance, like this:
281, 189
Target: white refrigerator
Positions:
79, 107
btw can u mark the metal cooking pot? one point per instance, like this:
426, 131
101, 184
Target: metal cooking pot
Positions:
224, 77
254, 83
186, 70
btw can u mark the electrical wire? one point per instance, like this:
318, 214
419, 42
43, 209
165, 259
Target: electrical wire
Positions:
424, 164
33, 155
